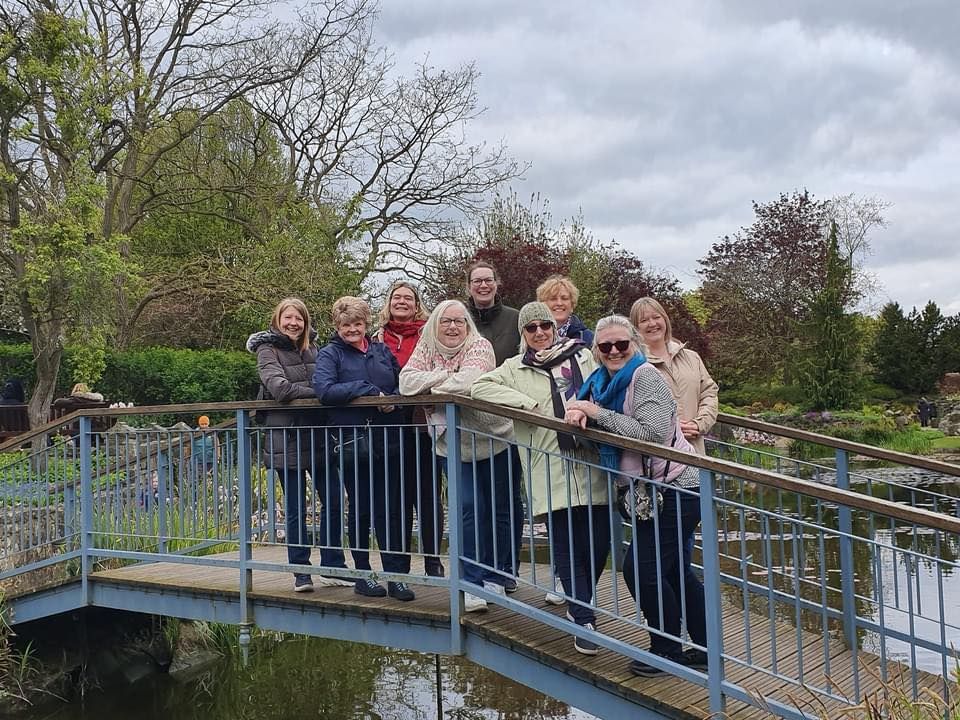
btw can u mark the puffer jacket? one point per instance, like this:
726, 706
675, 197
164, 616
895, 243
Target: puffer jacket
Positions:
285, 374
344, 373
516, 385
693, 388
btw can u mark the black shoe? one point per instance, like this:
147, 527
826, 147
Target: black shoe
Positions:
509, 584
695, 659
399, 591
643, 670
433, 567
583, 645
368, 588
302, 583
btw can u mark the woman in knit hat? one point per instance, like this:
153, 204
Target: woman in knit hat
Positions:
569, 493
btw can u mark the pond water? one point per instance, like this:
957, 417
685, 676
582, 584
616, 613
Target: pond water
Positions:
294, 678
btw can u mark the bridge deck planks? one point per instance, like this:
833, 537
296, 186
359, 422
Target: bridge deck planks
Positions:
672, 696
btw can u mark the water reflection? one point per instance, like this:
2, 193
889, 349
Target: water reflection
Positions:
781, 541
300, 677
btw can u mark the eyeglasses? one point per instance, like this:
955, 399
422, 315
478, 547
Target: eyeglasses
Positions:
483, 281
447, 322
534, 326
620, 345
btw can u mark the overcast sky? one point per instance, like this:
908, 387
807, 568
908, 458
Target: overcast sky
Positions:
663, 121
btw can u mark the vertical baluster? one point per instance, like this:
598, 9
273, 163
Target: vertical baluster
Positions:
455, 527
711, 588
847, 569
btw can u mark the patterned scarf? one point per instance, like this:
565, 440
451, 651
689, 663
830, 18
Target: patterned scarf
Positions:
560, 364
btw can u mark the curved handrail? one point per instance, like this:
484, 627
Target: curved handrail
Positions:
763, 477
840, 444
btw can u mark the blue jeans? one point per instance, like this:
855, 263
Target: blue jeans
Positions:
580, 539
295, 511
678, 520
331, 514
485, 512
514, 486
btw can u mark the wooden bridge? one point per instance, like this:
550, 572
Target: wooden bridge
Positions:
788, 633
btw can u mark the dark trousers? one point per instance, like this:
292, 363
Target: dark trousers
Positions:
580, 538
373, 482
295, 511
332, 497
513, 501
421, 489
676, 582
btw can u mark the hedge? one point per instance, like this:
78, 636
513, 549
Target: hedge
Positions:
153, 375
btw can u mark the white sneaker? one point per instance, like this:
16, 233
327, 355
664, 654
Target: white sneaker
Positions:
495, 588
472, 603
331, 581
556, 598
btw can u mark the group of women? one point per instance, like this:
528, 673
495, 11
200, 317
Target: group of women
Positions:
630, 378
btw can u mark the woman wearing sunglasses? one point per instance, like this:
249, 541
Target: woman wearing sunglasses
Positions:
628, 396
569, 494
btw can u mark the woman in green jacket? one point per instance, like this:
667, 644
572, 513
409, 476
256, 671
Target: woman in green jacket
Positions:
567, 491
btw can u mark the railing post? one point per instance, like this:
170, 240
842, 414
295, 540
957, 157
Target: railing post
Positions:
69, 510
246, 545
711, 591
455, 525
86, 509
847, 570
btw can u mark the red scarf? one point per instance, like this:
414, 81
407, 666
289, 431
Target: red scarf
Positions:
401, 338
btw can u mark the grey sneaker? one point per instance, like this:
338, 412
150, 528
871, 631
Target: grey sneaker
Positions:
368, 588
556, 598
302, 583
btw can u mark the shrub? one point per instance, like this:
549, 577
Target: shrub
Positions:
152, 376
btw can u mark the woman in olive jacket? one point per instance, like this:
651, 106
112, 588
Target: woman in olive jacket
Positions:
286, 357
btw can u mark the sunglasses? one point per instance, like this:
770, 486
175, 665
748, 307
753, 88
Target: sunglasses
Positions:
620, 345
534, 326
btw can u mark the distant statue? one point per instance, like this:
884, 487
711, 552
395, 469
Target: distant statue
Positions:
12, 393
923, 411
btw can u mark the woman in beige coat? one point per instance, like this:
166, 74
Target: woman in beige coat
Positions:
693, 388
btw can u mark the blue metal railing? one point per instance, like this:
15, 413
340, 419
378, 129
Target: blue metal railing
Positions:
799, 572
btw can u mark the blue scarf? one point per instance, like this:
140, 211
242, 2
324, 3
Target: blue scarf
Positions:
610, 393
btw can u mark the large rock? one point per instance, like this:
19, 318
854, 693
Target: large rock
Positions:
950, 384
949, 423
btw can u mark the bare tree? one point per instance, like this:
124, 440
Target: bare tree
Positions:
391, 153
94, 93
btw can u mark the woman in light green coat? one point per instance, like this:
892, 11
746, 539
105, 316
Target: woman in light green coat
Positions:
567, 491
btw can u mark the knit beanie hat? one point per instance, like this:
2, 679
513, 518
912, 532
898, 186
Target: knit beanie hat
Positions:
534, 311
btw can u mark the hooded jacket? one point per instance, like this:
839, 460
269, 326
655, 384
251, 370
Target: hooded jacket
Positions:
516, 385
285, 373
693, 388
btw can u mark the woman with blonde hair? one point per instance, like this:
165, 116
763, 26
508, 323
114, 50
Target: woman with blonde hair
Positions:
627, 396
693, 388
559, 294
367, 443
286, 355
450, 356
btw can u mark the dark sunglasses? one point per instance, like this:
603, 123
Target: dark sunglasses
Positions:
534, 326
620, 345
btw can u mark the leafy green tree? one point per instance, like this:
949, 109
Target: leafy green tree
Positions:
828, 365
895, 353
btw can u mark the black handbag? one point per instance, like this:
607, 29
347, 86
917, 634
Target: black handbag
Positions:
638, 503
